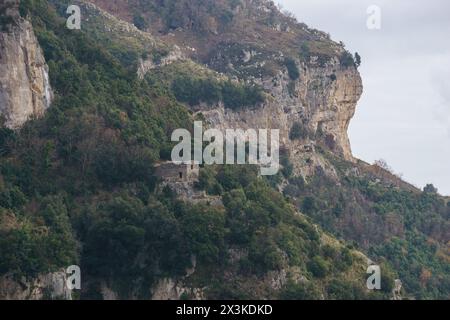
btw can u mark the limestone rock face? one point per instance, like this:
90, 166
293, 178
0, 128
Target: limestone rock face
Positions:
48, 286
171, 289
259, 39
25, 90
323, 100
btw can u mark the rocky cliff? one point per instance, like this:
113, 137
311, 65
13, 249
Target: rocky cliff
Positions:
301, 69
81, 192
323, 100
48, 286
25, 90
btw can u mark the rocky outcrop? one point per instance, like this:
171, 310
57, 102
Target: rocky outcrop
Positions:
51, 286
149, 64
171, 289
397, 290
254, 46
322, 100
25, 90
175, 289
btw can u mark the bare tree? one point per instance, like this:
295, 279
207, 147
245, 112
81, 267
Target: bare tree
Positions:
382, 164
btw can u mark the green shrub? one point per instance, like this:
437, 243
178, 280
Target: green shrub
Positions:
330, 252
339, 289
357, 59
207, 181
234, 95
5, 20
287, 166
204, 229
12, 198
430, 188
309, 205
140, 22
29, 251
298, 131
292, 68
305, 52
300, 291
264, 254
347, 60
318, 267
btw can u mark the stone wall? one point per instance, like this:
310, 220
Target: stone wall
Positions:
170, 172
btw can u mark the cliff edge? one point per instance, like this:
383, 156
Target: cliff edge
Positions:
25, 90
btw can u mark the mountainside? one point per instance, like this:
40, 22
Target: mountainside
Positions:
81, 182
311, 79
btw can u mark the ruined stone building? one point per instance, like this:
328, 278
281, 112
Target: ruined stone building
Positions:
171, 172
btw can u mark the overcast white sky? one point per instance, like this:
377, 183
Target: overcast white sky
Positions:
404, 114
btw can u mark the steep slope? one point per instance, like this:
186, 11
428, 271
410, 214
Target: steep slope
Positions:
137, 241
312, 80
314, 87
79, 183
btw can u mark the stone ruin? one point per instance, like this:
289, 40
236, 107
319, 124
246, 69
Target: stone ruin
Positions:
173, 173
